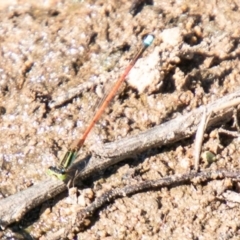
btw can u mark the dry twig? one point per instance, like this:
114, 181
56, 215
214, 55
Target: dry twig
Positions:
199, 136
13, 208
168, 181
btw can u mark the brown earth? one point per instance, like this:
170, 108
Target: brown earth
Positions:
49, 48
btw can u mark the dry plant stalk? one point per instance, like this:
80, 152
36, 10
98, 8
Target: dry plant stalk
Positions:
199, 137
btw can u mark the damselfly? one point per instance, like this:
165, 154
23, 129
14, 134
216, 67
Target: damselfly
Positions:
70, 155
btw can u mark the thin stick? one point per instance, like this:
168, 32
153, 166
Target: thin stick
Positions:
62, 97
230, 133
199, 137
153, 184
13, 208
171, 131
174, 180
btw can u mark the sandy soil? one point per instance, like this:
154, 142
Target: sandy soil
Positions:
50, 48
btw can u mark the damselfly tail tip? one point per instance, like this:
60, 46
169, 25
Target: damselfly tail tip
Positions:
148, 40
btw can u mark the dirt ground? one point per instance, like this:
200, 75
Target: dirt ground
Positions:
50, 48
